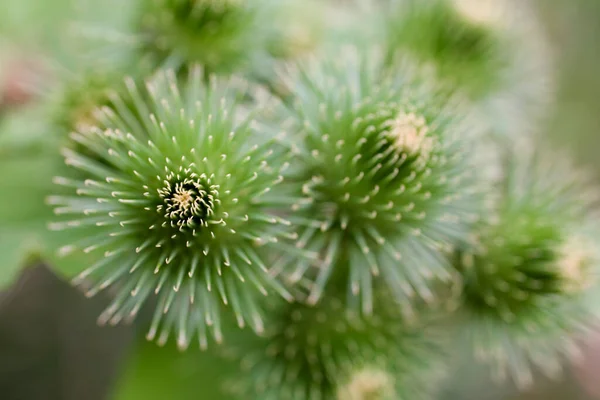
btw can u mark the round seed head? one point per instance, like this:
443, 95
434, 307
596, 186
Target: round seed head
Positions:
223, 36
384, 164
462, 50
79, 100
494, 51
327, 351
530, 274
181, 202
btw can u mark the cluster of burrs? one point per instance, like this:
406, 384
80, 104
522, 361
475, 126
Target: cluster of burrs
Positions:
207, 208
333, 215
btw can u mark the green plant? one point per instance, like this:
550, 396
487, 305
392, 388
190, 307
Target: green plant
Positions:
224, 36
530, 272
478, 47
382, 175
330, 190
182, 207
331, 352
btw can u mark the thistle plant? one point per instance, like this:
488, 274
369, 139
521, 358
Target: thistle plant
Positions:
332, 352
531, 270
382, 167
331, 205
181, 206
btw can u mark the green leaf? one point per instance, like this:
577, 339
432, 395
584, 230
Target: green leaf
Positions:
24, 182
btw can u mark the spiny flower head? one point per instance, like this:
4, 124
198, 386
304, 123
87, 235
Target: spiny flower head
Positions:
76, 100
436, 32
79, 99
222, 35
492, 50
313, 353
383, 164
182, 206
532, 265
301, 27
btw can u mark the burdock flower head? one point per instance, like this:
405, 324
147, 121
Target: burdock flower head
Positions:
76, 99
464, 51
492, 50
532, 263
181, 203
329, 352
383, 167
222, 35
79, 99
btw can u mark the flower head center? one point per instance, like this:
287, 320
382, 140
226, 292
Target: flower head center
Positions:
576, 260
188, 200
368, 385
409, 133
483, 12
183, 199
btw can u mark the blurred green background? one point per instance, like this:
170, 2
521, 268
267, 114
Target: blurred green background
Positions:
50, 347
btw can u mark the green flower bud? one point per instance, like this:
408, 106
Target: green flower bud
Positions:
182, 204
383, 163
328, 352
492, 50
461, 49
532, 266
224, 36
80, 98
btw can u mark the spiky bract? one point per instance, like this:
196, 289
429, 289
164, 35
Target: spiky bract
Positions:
317, 353
224, 36
79, 99
530, 268
181, 203
383, 163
